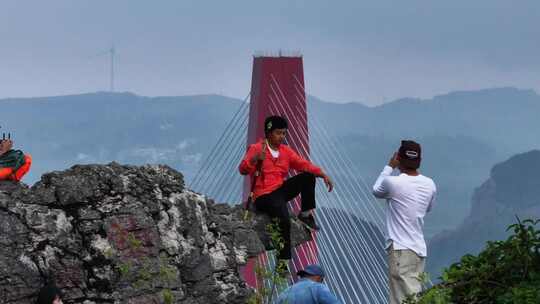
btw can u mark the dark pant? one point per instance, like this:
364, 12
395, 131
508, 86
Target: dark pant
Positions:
275, 204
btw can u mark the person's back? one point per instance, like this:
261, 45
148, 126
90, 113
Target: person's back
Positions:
409, 199
409, 196
309, 290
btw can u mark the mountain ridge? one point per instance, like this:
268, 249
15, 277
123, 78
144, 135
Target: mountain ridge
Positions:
512, 191
461, 136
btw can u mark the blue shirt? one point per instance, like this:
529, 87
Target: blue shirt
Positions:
307, 291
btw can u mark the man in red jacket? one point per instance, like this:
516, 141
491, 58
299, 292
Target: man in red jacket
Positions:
14, 164
272, 192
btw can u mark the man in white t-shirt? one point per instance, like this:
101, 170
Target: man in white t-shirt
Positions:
410, 196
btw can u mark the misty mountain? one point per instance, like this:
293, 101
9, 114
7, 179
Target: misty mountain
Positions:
102, 127
506, 116
511, 192
463, 134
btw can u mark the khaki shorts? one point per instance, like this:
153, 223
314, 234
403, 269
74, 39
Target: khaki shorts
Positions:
405, 268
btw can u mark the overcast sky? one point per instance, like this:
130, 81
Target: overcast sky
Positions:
365, 51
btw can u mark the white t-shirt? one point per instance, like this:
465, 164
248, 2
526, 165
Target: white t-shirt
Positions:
275, 153
409, 198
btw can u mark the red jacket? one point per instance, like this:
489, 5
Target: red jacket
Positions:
16, 175
274, 170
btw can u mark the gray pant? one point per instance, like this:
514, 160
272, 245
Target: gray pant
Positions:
405, 268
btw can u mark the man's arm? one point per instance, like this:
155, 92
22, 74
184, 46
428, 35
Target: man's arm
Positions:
303, 165
432, 201
381, 188
300, 164
248, 165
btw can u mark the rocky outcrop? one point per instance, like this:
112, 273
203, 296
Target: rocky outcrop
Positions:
124, 234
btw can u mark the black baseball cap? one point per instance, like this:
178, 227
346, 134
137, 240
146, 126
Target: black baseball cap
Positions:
410, 154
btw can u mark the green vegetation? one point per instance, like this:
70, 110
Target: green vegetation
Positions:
124, 268
263, 293
133, 241
168, 297
505, 272
166, 272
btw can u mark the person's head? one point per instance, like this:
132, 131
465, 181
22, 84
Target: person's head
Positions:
313, 272
409, 155
6, 144
49, 294
275, 129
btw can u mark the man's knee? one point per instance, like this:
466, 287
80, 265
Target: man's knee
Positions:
5, 173
309, 178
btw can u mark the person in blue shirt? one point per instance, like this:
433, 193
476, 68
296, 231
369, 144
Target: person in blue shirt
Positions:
309, 289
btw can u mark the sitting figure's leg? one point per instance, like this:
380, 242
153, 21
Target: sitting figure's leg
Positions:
275, 206
284, 254
6, 173
304, 184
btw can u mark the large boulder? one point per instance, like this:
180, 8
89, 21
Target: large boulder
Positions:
124, 234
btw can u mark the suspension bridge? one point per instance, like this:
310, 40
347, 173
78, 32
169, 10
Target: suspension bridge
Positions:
350, 244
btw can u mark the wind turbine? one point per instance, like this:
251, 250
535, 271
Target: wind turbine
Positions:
111, 52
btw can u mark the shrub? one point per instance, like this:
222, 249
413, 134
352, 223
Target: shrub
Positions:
504, 272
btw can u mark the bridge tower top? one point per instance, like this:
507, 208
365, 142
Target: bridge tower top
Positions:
277, 88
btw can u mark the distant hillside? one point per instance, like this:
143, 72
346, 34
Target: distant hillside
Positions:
513, 189
463, 134
102, 127
506, 116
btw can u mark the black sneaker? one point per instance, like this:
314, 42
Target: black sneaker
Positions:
309, 222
